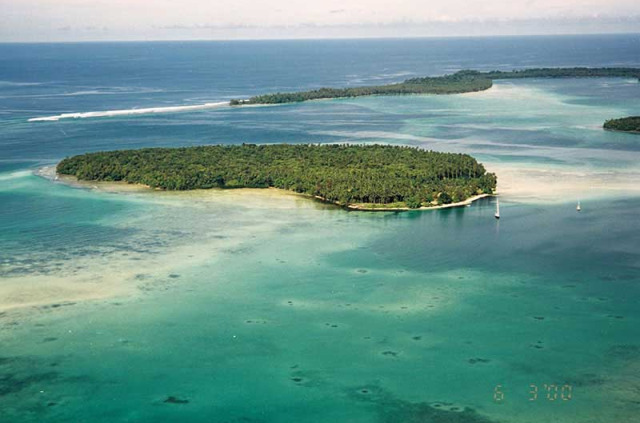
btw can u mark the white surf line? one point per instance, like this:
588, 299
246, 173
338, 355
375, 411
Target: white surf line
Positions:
128, 112
15, 175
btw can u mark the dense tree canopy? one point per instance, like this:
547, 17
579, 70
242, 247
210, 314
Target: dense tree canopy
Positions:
460, 82
578, 72
343, 174
450, 84
627, 124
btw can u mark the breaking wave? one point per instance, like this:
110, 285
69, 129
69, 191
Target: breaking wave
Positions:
128, 112
15, 175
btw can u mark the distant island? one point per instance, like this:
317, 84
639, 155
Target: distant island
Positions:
626, 124
464, 81
366, 177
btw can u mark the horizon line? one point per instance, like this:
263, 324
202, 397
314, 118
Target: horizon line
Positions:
142, 40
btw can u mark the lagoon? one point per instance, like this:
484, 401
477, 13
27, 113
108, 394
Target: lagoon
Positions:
201, 306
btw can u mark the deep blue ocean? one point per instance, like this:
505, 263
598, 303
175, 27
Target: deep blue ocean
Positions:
118, 304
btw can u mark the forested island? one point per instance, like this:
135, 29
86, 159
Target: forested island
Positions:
355, 176
448, 84
626, 124
577, 72
464, 81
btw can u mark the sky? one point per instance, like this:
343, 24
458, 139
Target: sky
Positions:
101, 20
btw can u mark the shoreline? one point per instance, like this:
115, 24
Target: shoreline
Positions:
471, 80
622, 131
358, 96
463, 203
124, 187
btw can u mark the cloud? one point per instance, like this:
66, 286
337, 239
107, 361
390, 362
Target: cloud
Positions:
30, 20
86, 28
405, 23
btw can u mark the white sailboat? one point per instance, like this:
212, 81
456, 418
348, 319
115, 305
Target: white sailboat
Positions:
578, 208
497, 215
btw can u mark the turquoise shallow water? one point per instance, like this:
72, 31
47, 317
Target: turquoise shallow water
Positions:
406, 314
263, 307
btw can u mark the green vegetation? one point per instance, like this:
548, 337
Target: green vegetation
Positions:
559, 73
375, 175
450, 84
460, 82
627, 124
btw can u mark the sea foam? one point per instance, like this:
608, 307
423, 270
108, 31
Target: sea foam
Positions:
18, 84
15, 175
128, 112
